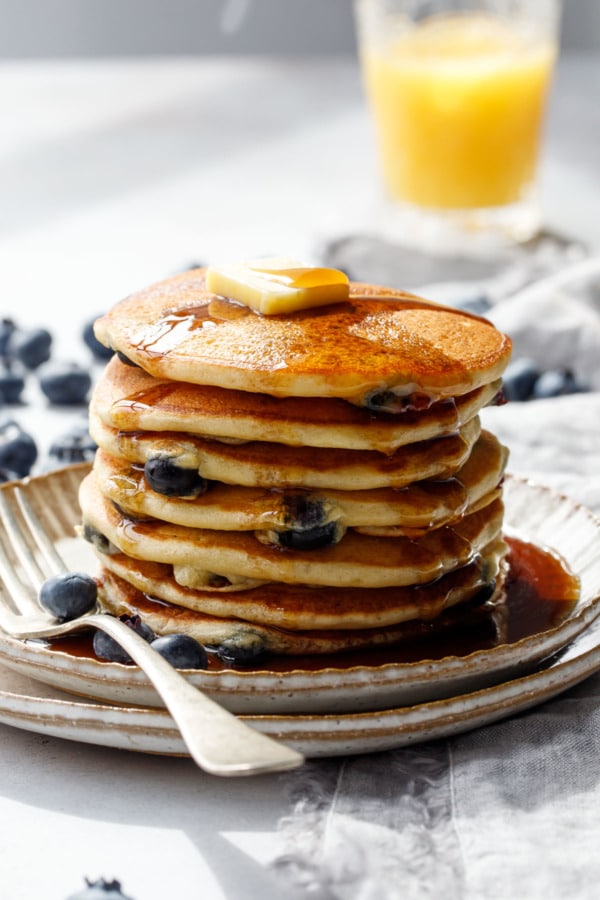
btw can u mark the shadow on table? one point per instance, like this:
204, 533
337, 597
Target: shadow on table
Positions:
117, 788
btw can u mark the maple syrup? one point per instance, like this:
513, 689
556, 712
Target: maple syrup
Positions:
540, 592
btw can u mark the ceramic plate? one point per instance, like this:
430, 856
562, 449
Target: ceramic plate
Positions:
535, 513
33, 706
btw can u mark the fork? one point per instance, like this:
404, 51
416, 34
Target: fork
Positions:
218, 741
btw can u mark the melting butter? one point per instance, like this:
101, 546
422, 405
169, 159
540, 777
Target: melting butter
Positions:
279, 285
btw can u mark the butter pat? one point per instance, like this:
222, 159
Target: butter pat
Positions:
274, 286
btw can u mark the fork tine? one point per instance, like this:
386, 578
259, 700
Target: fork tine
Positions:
13, 585
23, 553
54, 561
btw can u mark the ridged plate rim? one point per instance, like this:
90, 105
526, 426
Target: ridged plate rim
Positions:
534, 512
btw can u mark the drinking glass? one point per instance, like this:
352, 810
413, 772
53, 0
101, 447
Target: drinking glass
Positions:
458, 90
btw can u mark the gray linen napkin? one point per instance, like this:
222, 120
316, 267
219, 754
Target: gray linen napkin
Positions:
512, 810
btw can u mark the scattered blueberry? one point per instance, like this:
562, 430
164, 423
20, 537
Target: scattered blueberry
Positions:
139, 626
107, 648
11, 385
181, 650
310, 539
519, 379
7, 326
18, 450
556, 383
73, 446
7, 475
64, 384
31, 347
165, 477
100, 890
99, 351
524, 380
69, 596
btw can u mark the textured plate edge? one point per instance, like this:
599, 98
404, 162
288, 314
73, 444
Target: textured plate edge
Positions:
381, 677
152, 730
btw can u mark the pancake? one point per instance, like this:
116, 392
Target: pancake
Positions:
355, 561
254, 639
128, 399
301, 607
298, 483
411, 511
262, 464
380, 340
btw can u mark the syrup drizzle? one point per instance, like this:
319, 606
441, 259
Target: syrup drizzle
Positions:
541, 592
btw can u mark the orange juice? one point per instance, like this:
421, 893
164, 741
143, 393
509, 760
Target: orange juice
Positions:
458, 101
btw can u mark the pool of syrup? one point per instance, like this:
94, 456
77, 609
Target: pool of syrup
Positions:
540, 591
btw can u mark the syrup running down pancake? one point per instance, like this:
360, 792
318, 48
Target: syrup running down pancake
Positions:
412, 510
299, 482
379, 340
129, 399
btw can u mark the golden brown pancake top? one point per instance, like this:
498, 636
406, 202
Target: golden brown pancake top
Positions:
380, 339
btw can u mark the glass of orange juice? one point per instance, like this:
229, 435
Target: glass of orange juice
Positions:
457, 92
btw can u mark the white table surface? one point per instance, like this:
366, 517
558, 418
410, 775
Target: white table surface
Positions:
113, 174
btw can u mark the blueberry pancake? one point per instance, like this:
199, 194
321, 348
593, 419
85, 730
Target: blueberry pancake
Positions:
462, 599
129, 399
267, 464
375, 341
290, 463
418, 507
355, 560
314, 608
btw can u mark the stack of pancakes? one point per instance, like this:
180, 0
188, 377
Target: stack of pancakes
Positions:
301, 483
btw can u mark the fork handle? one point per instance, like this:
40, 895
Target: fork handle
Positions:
217, 740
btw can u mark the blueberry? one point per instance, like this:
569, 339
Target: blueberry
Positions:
100, 890
11, 385
390, 402
107, 648
99, 351
381, 401
140, 627
302, 511
243, 649
98, 540
165, 477
305, 515
65, 384
73, 446
556, 383
69, 596
32, 347
7, 326
126, 361
519, 379
7, 475
18, 450
182, 651
310, 539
